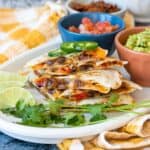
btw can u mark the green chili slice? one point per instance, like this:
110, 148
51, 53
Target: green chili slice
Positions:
70, 47
73, 47
67, 47
55, 53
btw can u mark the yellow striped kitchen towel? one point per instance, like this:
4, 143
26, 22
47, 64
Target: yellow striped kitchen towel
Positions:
27, 28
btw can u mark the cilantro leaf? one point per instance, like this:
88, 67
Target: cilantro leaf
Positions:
95, 109
55, 106
112, 99
59, 111
98, 117
35, 115
74, 119
96, 112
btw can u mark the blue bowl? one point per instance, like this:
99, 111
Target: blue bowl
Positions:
106, 41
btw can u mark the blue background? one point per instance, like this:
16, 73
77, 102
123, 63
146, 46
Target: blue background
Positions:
8, 143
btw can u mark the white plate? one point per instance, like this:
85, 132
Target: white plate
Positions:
54, 135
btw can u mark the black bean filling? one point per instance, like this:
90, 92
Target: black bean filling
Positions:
85, 67
52, 83
61, 60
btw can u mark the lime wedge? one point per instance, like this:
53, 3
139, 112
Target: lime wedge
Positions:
10, 96
11, 80
8, 84
9, 76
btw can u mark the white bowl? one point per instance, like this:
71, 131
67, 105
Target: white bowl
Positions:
139, 8
119, 4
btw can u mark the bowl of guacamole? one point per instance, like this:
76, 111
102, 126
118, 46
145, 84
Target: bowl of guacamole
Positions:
133, 45
139, 42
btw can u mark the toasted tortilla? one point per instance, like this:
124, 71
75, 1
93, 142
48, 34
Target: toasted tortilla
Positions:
134, 135
101, 81
70, 64
96, 82
121, 140
127, 87
139, 126
123, 100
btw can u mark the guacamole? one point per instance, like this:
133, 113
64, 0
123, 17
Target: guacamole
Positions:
139, 42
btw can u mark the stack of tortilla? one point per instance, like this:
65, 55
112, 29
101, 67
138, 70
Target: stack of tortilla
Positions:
134, 135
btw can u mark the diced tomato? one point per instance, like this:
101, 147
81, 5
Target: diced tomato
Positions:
99, 26
80, 96
88, 24
65, 69
41, 82
108, 29
86, 20
106, 23
74, 29
95, 28
88, 27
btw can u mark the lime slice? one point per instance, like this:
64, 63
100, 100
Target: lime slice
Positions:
7, 76
8, 84
10, 96
11, 80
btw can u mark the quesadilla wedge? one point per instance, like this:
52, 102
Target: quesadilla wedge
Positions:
73, 63
83, 85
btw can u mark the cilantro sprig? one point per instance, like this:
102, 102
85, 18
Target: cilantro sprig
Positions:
60, 112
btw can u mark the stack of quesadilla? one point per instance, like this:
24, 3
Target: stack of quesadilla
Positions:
86, 77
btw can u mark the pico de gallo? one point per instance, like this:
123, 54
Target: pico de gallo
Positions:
87, 26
